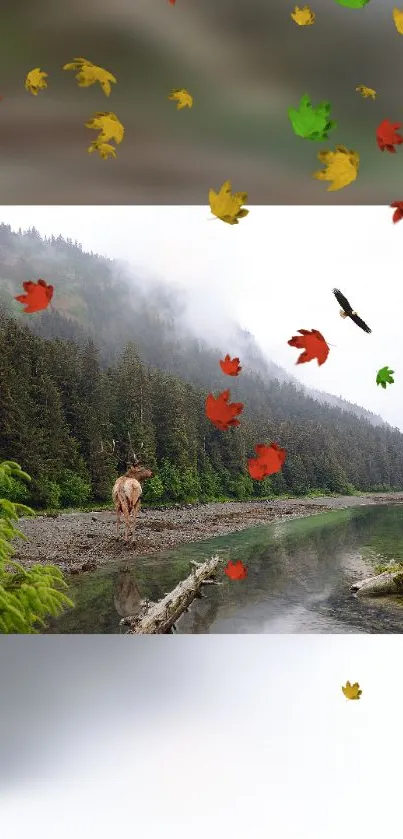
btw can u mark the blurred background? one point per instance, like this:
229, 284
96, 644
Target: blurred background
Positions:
244, 61
199, 736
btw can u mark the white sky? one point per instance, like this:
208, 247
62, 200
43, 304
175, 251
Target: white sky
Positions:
266, 746
274, 273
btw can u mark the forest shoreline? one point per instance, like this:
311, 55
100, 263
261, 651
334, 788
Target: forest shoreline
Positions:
79, 542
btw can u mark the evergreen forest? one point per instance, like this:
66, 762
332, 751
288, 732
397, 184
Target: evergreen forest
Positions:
109, 369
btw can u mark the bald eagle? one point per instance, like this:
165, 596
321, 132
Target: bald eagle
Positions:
347, 310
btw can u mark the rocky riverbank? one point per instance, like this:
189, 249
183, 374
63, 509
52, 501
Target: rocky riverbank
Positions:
79, 542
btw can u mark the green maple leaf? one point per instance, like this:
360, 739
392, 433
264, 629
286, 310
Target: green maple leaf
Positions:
352, 4
311, 123
383, 376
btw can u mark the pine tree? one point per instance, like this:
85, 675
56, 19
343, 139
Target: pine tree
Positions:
94, 424
131, 409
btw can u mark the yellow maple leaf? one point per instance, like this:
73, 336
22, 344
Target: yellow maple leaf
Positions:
366, 91
352, 691
36, 81
105, 150
89, 74
226, 206
398, 19
182, 97
109, 126
341, 167
304, 16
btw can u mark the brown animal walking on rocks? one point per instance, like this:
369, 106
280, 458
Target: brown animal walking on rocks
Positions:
126, 494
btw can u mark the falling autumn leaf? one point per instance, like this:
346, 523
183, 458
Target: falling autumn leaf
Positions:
89, 74
384, 376
387, 137
366, 92
226, 206
236, 570
182, 97
309, 122
314, 346
110, 129
105, 150
221, 413
36, 81
268, 460
398, 19
352, 4
341, 167
230, 366
304, 16
352, 691
398, 214
172, 2
37, 296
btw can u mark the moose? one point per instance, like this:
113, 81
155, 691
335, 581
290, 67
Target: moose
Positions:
126, 494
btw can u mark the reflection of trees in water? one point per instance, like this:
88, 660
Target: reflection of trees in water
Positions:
306, 560
384, 535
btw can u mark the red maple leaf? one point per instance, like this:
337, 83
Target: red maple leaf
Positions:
220, 413
313, 343
172, 2
235, 570
38, 296
398, 214
387, 136
230, 366
269, 459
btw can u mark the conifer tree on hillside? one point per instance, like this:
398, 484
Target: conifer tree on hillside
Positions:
61, 408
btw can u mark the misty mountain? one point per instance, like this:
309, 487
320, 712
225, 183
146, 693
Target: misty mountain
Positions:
106, 299
256, 361
113, 364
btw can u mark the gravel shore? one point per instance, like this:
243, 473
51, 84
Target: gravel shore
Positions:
79, 542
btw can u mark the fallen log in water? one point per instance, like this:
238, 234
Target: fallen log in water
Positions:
159, 618
389, 582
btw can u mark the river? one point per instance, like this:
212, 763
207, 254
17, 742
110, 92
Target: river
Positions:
299, 576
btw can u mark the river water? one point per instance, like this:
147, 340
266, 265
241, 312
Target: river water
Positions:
299, 576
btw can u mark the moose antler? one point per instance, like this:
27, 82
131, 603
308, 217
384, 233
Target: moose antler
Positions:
107, 450
135, 460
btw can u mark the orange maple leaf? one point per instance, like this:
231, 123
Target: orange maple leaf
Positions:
220, 413
314, 346
235, 570
230, 366
38, 296
269, 459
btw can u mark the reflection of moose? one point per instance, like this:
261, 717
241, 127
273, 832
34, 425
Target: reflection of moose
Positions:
127, 596
126, 495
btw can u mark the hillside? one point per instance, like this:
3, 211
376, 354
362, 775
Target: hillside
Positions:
149, 378
103, 298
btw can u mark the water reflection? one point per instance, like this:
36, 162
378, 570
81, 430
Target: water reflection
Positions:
126, 596
299, 577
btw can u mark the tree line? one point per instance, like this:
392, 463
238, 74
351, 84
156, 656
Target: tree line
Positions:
61, 409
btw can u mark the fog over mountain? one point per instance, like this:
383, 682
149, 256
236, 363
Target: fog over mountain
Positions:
187, 318
143, 353
263, 276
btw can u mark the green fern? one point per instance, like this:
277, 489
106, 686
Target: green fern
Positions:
27, 597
